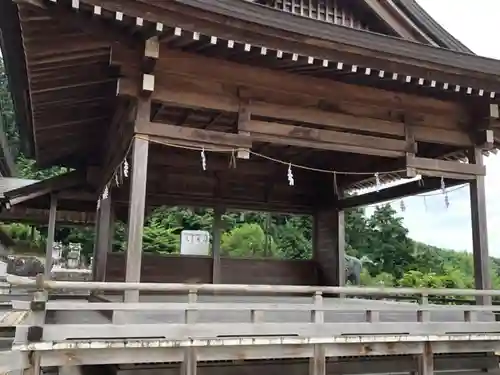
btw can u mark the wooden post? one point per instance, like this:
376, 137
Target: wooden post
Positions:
103, 235
216, 242
426, 360
317, 363
136, 215
50, 236
96, 243
329, 246
190, 366
482, 277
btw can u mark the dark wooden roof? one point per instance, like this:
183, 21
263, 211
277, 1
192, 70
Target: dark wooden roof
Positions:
444, 39
62, 82
64, 88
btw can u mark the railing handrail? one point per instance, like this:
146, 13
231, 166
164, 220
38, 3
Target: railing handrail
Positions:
40, 283
246, 306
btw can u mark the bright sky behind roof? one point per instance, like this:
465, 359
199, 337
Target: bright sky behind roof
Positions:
429, 221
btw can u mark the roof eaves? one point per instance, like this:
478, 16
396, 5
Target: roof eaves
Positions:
11, 48
420, 16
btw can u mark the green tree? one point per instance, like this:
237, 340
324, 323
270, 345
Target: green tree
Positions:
389, 246
248, 240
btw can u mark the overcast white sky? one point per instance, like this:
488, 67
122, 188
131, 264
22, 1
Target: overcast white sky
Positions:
474, 24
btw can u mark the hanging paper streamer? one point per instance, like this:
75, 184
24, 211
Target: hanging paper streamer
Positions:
203, 160
125, 168
335, 186
105, 193
291, 181
443, 190
232, 161
117, 180
402, 205
377, 181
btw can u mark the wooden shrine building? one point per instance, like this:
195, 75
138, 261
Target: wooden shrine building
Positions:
284, 105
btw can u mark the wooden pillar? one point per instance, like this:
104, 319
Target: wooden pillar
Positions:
216, 243
329, 246
96, 243
482, 278
50, 236
103, 238
136, 214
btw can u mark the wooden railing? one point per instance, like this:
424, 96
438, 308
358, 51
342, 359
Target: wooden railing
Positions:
226, 322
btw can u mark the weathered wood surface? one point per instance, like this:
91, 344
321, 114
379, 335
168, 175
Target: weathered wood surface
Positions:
161, 335
194, 269
453, 365
354, 310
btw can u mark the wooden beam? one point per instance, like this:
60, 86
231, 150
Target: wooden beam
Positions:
349, 122
216, 72
182, 96
244, 116
193, 136
41, 216
445, 168
323, 139
48, 186
396, 192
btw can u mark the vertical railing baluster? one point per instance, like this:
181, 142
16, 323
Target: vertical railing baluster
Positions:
189, 366
372, 316
423, 314
469, 316
317, 364
36, 319
256, 316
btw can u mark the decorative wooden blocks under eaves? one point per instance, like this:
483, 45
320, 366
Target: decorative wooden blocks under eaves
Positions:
319, 61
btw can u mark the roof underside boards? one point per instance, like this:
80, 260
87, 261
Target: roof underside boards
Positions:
68, 90
70, 93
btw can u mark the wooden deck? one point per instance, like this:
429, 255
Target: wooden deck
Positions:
255, 326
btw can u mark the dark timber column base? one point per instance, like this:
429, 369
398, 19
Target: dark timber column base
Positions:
482, 279
329, 246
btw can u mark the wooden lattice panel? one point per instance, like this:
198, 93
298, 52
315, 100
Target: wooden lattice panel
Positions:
321, 10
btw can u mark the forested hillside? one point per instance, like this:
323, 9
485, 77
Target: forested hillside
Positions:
382, 237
